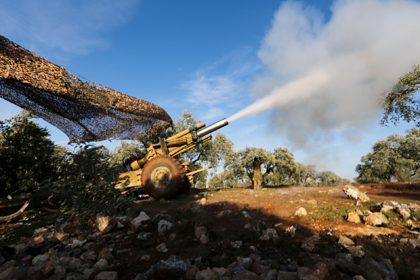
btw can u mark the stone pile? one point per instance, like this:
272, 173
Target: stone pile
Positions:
72, 253
379, 219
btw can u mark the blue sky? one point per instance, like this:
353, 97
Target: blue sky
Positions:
213, 58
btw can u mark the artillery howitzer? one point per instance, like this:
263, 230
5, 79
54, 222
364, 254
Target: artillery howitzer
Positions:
159, 172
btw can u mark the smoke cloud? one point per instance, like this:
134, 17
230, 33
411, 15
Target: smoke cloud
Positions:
325, 76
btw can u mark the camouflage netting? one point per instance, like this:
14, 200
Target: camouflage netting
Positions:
84, 111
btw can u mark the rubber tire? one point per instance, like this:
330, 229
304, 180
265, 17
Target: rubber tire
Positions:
175, 186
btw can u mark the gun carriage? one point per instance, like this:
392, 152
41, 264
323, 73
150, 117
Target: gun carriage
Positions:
159, 172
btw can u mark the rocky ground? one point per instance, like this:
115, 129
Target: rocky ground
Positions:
277, 233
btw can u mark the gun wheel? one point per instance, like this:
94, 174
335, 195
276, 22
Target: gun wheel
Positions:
163, 177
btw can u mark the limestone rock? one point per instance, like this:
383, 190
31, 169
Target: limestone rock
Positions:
101, 264
413, 207
40, 259
388, 206
106, 275
199, 231
312, 201
104, 223
354, 193
221, 271
105, 254
224, 213
141, 222
162, 248
236, 244
71, 226
378, 270
291, 230
164, 226
124, 220
301, 212
171, 268
353, 218
145, 258
204, 239
376, 219
309, 244
356, 251
346, 264
144, 236
207, 274
246, 215
7, 274
244, 262
345, 241
415, 242
197, 208
404, 211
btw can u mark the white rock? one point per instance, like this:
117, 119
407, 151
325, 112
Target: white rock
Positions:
246, 215
376, 219
162, 248
199, 231
40, 259
164, 226
142, 221
345, 241
236, 244
356, 251
301, 212
101, 264
77, 243
104, 223
355, 194
291, 230
145, 258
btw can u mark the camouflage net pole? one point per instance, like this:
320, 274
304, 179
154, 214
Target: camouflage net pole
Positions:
84, 111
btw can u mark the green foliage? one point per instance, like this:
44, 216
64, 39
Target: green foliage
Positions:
88, 184
330, 178
251, 162
210, 153
400, 103
27, 156
127, 150
307, 174
394, 159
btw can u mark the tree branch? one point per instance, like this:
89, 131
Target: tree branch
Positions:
18, 213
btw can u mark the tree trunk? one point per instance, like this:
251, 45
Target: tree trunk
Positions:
258, 178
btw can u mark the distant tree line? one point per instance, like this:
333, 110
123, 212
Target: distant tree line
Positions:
396, 159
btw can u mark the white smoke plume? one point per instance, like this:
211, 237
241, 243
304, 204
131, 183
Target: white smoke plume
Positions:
324, 76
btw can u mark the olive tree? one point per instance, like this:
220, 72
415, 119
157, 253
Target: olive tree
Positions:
256, 162
400, 103
395, 159
27, 155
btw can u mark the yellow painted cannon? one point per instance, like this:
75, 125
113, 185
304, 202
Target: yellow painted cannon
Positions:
159, 173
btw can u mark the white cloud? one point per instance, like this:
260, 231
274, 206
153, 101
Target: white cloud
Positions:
221, 85
210, 91
69, 26
323, 76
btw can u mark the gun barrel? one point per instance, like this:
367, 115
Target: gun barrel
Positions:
209, 129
